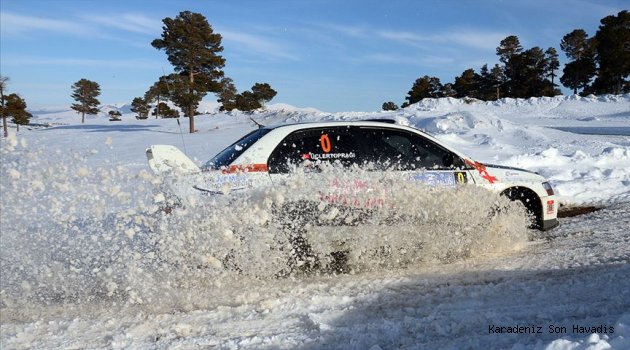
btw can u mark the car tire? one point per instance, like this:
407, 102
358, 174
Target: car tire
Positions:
530, 201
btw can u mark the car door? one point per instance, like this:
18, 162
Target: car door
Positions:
312, 150
412, 156
313, 146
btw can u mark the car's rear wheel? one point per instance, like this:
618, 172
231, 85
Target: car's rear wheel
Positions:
292, 218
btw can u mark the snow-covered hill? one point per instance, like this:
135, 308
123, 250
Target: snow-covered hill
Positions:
89, 261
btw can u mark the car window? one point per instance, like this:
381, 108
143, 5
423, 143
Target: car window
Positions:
394, 149
233, 151
334, 145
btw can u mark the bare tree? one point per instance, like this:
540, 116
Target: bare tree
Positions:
3, 87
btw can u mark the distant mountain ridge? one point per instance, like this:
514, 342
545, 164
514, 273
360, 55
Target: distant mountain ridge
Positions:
562, 107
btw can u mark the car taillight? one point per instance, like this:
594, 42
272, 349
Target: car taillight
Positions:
548, 188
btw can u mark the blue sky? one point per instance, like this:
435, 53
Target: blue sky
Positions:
334, 55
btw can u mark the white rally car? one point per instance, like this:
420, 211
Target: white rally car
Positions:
265, 156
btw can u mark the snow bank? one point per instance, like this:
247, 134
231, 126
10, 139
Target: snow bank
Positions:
580, 177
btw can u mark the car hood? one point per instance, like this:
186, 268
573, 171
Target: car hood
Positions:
495, 166
513, 174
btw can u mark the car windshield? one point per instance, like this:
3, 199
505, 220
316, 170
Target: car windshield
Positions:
233, 151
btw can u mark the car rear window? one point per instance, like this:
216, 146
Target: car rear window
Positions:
233, 151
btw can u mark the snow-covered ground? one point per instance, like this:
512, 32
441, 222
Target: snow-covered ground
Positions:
78, 208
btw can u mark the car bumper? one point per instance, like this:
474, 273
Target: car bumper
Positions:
549, 224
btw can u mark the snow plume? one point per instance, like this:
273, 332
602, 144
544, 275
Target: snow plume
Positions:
66, 226
101, 239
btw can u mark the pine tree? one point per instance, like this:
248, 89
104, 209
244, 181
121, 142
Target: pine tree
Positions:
576, 45
158, 92
448, 90
3, 89
613, 53
425, 87
140, 106
498, 79
527, 76
508, 48
193, 49
578, 73
486, 90
263, 92
165, 111
389, 106
85, 92
114, 116
537, 68
467, 84
227, 95
247, 101
509, 52
180, 94
553, 64
15, 107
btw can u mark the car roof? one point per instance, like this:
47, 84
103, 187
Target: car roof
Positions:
388, 123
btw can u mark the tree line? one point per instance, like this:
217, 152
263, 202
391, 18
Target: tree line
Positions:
193, 49
597, 65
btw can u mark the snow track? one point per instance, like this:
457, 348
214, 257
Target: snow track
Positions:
435, 306
87, 260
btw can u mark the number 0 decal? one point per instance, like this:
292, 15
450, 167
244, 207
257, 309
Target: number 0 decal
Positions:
324, 140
